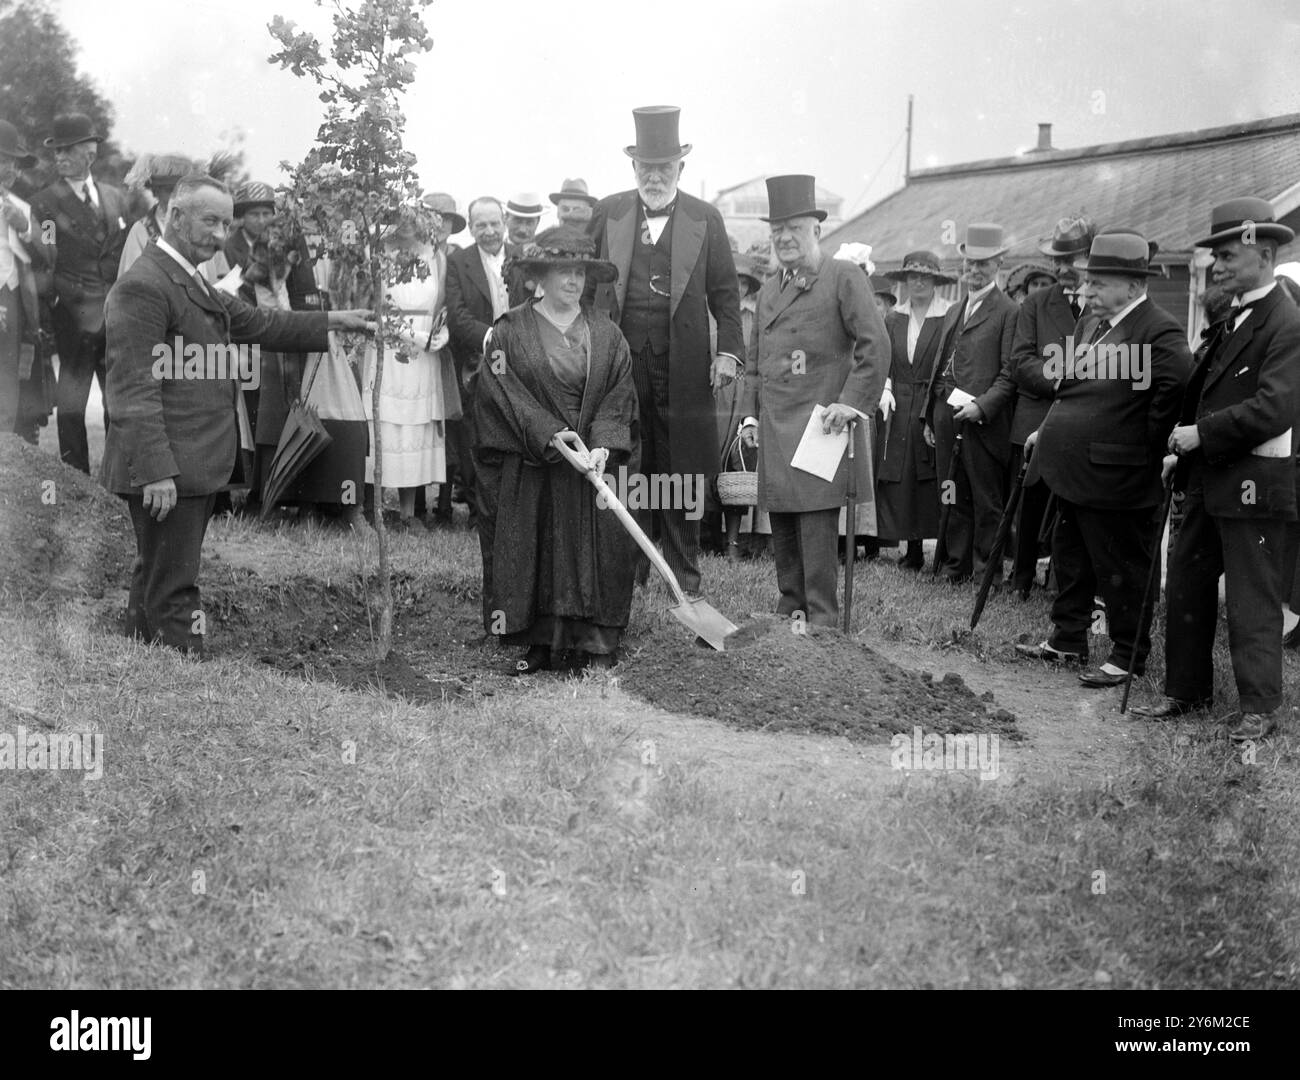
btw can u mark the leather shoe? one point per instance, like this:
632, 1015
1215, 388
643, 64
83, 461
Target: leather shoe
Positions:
1043, 651
1100, 680
1168, 709
1254, 726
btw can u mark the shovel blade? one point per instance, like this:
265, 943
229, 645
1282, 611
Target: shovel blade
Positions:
705, 621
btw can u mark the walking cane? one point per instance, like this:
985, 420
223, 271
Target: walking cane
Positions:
1143, 626
850, 526
950, 488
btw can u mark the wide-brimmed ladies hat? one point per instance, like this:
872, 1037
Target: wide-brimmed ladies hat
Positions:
748, 267
159, 172
565, 245
72, 128
921, 262
1072, 236
1021, 275
11, 145
882, 286
983, 241
1231, 220
1122, 251
442, 203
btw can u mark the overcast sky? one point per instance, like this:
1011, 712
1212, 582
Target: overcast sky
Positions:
517, 96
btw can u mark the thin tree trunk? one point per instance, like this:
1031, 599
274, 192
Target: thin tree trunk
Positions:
385, 591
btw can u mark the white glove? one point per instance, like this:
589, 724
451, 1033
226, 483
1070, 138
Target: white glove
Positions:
599, 455
439, 340
887, 403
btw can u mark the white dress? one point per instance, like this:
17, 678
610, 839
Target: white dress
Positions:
413, 401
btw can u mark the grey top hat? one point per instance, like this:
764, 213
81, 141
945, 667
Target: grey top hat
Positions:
657, 142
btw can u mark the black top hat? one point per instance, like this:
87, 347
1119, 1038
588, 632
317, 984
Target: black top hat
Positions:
72, 128
793, 195
565, 245
12, 146
921, 262
656, 135
1121, 251
1230, 220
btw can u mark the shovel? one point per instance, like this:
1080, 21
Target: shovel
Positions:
702, 619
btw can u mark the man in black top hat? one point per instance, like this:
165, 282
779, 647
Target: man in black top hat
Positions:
675, 270
90, 228
1233, 450
1119, 381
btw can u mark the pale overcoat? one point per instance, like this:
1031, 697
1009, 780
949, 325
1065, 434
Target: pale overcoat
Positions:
819, 341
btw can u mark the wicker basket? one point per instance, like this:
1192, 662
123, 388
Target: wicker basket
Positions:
738, 487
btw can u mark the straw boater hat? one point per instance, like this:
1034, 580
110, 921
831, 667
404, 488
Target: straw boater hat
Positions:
527, 204
11, 146
1072, 236
565, 245
442, 203
1121, 251
656, 135
921, 262
791, 196
983, 241
72, 128
573, 189
1228, 221
1021, 275
253, 194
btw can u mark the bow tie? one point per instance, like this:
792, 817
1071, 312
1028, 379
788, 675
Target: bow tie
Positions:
658, 213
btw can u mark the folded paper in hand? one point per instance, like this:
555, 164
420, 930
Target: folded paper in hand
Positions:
817, 452
959, 397
1279, 446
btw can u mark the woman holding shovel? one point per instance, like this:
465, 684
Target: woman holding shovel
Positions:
557, 567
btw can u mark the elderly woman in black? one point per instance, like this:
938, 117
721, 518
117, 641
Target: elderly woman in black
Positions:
557, 567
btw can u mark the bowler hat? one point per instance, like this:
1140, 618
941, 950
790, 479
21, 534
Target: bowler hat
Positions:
565, 245
72, 128
1231, 220
1072, 236
12, 146
790, 196
983, 241
442, 203
656, 135
252, 194
573, 189
921, 262
527, 204
1121, 251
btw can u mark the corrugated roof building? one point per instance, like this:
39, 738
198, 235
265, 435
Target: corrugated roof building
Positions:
1164, 187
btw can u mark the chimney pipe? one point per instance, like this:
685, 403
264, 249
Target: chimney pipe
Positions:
1044, 137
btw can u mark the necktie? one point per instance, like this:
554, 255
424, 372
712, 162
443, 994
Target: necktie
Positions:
1098, 331
659, 213
85, 194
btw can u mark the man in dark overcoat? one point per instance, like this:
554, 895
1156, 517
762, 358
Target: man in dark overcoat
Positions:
1233, 449
818, 340
1047, 317
1119, 382
675, 269
974, 357
176, 419
90, 225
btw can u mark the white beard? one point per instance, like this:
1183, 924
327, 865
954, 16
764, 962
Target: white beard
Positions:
660, 201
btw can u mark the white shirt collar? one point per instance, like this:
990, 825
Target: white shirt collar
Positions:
184, 262
974, 298
1114, 319
1255, 294
80, 187
496, 261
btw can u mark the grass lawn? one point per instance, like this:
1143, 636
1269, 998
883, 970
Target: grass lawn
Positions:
258, 828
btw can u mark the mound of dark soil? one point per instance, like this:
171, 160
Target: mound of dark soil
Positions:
774, 679
61, 534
